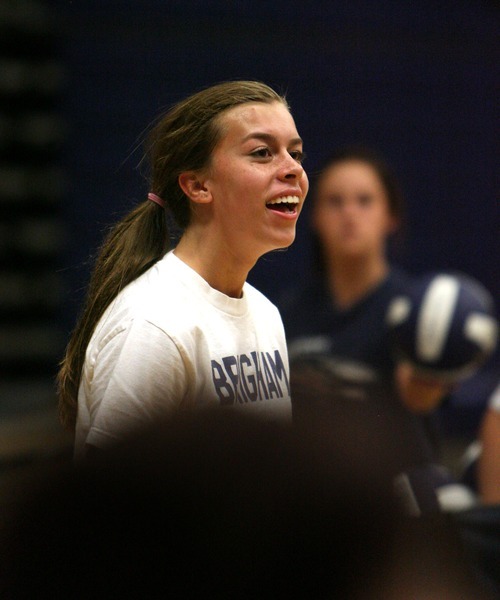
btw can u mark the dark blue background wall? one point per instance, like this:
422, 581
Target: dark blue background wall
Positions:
417, 80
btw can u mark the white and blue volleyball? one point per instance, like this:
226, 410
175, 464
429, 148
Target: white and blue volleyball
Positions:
444, 325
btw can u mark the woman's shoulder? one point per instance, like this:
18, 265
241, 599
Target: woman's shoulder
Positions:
153, 292
258, 300
397, 281
399, 276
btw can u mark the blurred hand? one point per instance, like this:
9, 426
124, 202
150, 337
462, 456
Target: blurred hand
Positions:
419, 394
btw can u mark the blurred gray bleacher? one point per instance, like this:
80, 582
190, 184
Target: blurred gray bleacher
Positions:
31, 234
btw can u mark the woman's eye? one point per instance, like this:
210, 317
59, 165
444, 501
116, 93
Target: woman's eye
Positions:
298, 155
365, 199
262, 153
334, 201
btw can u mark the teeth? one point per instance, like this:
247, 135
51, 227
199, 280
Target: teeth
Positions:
285, 200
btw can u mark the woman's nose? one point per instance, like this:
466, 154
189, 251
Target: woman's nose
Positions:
291, 169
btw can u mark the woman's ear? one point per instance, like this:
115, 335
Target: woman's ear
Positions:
192, 184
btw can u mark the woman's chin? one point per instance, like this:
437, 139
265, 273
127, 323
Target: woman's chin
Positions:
285, 241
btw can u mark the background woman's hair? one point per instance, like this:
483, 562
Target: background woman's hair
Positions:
386, 175
182, 140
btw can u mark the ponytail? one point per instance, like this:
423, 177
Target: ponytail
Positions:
132, 245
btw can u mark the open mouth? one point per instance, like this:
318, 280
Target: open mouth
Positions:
285, 204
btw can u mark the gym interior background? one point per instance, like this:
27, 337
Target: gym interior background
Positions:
80, 81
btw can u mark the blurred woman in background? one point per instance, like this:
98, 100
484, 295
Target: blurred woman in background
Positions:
335, 322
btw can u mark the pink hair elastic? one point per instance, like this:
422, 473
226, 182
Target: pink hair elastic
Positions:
156, 199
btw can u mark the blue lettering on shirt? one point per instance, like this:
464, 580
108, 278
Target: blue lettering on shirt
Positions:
242, 378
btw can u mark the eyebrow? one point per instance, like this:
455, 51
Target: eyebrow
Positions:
268, 137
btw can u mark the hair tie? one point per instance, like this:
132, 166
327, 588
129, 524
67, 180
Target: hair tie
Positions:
156, 199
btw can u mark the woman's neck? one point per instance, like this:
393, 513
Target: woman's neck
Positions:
350, 280
219, 267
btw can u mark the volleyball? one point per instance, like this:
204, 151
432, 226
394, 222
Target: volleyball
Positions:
444, 325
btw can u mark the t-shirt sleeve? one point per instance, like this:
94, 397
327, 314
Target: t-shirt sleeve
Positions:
141, 374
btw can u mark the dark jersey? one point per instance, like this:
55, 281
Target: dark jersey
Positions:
342, 367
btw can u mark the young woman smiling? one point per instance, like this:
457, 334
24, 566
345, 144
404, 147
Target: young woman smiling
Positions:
167, 330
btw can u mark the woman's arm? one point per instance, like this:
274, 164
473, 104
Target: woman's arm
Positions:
489, 459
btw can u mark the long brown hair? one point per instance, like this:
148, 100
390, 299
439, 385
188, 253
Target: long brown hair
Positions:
182, 140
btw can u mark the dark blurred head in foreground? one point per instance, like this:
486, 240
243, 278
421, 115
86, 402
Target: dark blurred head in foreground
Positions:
217, 505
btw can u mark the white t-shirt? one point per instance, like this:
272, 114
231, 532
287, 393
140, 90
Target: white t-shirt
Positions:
168, 341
